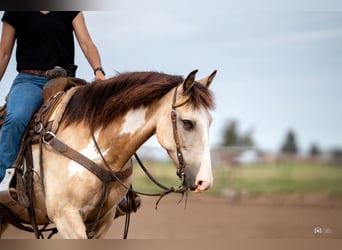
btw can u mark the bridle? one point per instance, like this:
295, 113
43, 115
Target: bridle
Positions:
180, 158
181, 164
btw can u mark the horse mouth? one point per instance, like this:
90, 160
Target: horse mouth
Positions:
189, 185
193, 187
189, 181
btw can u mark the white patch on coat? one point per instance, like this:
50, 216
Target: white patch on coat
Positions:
91, 153
35, 157
134, 120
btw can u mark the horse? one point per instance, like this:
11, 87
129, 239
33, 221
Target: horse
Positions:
107, 121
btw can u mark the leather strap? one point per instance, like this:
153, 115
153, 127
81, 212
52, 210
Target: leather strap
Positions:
106, 176
102, 174
12, 219
181, 164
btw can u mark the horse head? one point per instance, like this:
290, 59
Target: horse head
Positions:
183, 130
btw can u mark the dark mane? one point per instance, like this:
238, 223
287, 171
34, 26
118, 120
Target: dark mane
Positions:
98, 103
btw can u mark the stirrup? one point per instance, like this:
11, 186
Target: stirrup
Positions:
6, 193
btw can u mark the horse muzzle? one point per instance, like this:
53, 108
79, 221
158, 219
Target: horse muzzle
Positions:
196, 187
202, 186
194, 182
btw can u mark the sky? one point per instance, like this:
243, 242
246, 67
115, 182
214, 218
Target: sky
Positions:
279, 67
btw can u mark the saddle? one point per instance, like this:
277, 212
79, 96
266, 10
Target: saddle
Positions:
13, 191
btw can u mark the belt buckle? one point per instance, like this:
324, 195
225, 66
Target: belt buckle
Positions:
56, 72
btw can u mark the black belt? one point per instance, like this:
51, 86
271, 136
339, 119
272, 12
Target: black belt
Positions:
57, 71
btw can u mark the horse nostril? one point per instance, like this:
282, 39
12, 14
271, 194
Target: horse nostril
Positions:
202, 186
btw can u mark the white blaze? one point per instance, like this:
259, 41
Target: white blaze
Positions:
205, 172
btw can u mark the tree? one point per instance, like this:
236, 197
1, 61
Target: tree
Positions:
232, 136
290, 144
314, 150
336, 154
246, 139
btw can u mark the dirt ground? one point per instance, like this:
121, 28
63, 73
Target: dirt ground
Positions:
205, 217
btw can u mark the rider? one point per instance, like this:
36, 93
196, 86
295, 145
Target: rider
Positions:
44, 40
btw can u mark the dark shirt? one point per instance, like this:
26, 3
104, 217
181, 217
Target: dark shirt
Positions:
43, 40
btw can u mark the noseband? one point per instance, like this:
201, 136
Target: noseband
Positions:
181, 164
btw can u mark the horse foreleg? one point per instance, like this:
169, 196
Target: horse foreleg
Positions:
70, 225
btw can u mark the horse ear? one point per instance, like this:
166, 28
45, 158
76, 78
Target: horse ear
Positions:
189, 82
207, 80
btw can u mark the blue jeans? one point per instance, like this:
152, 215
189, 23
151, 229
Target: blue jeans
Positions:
25, 97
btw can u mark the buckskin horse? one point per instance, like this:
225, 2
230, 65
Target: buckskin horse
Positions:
106, 122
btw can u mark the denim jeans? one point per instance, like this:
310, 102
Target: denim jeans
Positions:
25, 97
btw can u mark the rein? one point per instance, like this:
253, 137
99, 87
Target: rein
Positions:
181, 165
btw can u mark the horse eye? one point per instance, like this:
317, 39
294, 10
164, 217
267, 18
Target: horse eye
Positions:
188, 124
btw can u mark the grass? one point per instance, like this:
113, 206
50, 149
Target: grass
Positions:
164, 172
282, 178
255, 179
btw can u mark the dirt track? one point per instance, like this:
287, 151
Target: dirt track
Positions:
284, 217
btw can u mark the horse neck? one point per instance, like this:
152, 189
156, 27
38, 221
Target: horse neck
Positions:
134, 129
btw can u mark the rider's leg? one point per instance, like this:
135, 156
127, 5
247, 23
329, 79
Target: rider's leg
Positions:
25, 97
